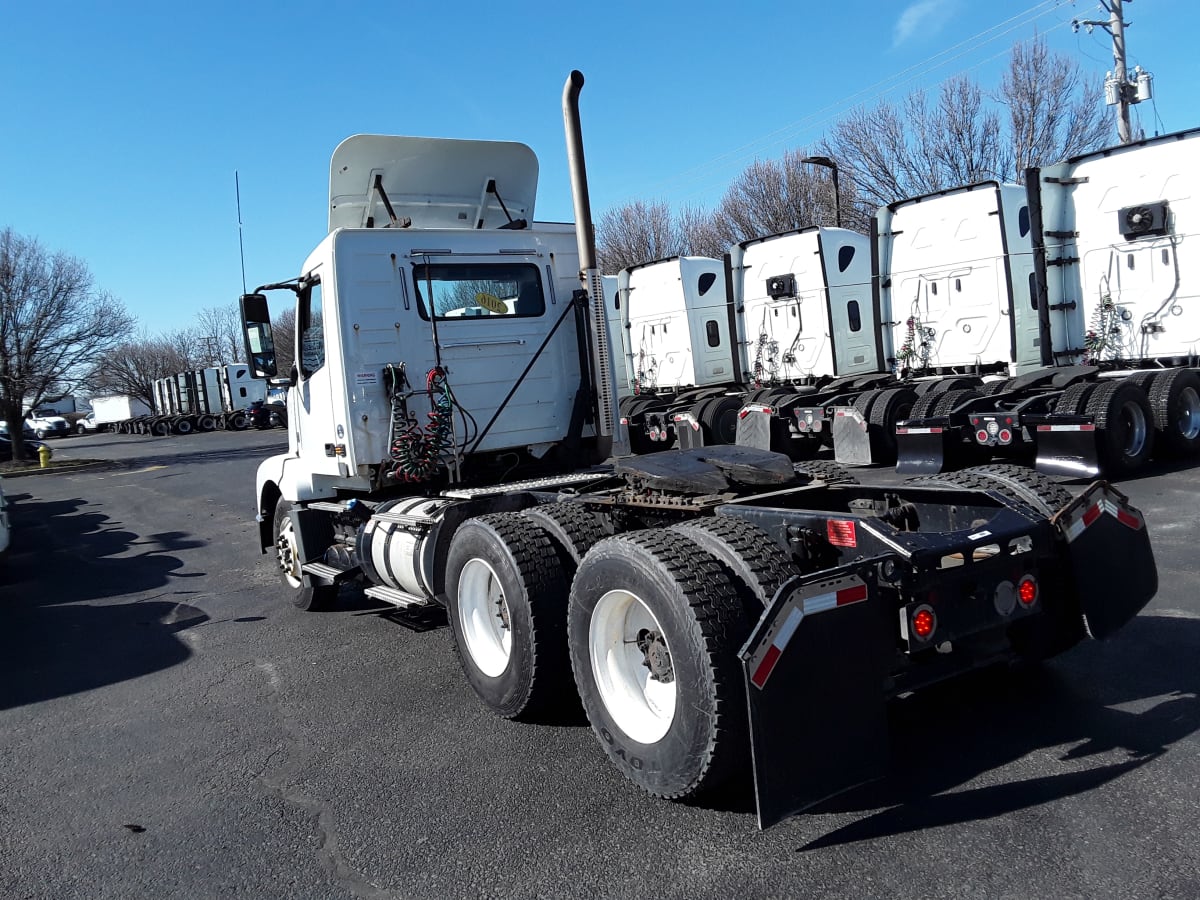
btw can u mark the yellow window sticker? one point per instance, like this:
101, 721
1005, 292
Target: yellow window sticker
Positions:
491, 303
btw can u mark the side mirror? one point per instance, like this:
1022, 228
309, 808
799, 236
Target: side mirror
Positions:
260, 346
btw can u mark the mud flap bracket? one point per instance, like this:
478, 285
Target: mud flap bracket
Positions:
815, 668
1111, 558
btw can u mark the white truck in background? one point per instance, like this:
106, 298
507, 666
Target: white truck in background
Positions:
454, 440
1103, 325
216, 397
681, 361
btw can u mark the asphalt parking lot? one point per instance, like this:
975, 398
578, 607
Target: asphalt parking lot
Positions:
171, 727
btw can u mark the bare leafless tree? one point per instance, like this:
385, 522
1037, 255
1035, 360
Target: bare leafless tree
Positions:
776, 195
133, 367
1054, 111
220, 334
283, 330
701, 236
55, 326
891, 153
635, 233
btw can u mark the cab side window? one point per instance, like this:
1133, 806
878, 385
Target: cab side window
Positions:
310, 323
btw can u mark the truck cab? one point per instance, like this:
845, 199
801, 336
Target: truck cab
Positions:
955, 282
436, 313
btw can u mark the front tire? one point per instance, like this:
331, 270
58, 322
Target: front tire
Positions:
654, 627
506, 598
308, 596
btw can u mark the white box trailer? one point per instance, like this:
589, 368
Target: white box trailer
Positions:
1109, 376
118, 408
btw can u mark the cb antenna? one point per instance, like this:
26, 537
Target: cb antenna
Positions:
237, 187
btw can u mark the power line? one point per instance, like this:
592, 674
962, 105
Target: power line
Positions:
831, 111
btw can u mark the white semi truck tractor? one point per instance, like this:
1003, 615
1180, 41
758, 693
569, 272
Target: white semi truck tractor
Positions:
1103, 323
455, 440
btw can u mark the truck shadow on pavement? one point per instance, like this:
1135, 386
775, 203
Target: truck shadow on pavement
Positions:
1124, 703
64, 625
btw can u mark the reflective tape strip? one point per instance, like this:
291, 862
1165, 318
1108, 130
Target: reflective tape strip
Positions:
775, 650
812, 605
1066, 428
934, 430
1081, 522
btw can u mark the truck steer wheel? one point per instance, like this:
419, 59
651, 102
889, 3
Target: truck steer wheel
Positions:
507, 610
310, 597
654, 627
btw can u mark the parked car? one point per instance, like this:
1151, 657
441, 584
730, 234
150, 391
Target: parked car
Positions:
267, 415
25, 427
46, 422
31, 449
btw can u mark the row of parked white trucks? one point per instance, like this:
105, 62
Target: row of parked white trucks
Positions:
1059, 321
455, 440
207, 399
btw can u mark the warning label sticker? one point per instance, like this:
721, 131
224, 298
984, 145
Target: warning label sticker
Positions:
366, 378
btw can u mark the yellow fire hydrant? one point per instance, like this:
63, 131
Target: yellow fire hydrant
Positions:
44, 454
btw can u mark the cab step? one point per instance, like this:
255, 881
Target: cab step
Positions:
398, 598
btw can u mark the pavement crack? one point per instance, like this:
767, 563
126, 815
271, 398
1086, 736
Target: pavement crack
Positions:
280, 779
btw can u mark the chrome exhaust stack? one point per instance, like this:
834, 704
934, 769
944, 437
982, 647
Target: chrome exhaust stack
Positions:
612, 439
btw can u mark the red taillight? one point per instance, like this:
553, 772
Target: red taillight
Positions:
801, 425
981, 436
1027, 590
1008, 420
923, 623
1005, 436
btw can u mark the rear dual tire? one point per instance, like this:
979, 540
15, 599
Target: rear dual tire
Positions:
506, 603
654, 627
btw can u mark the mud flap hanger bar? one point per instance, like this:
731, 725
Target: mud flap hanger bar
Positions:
815, 667
1111, 558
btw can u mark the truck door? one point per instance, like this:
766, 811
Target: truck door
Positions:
313, 426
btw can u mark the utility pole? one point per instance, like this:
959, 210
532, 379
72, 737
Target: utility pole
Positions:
1119, 89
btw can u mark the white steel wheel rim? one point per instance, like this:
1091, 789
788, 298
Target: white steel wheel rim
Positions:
1134, 420
1188, 420
484, 618
641, 706
289, 554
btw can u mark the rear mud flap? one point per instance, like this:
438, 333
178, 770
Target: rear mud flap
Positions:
754, 427
815, 666
1111, 558
1068, 450
921, 450
851, 437
688, 431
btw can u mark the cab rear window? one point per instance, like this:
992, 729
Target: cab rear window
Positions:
478, 290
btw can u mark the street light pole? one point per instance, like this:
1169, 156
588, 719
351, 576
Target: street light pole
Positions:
837, 197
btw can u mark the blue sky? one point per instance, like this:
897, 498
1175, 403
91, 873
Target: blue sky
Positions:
124, 122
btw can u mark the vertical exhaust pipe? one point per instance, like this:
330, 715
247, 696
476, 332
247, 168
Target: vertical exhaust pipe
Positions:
611, 437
